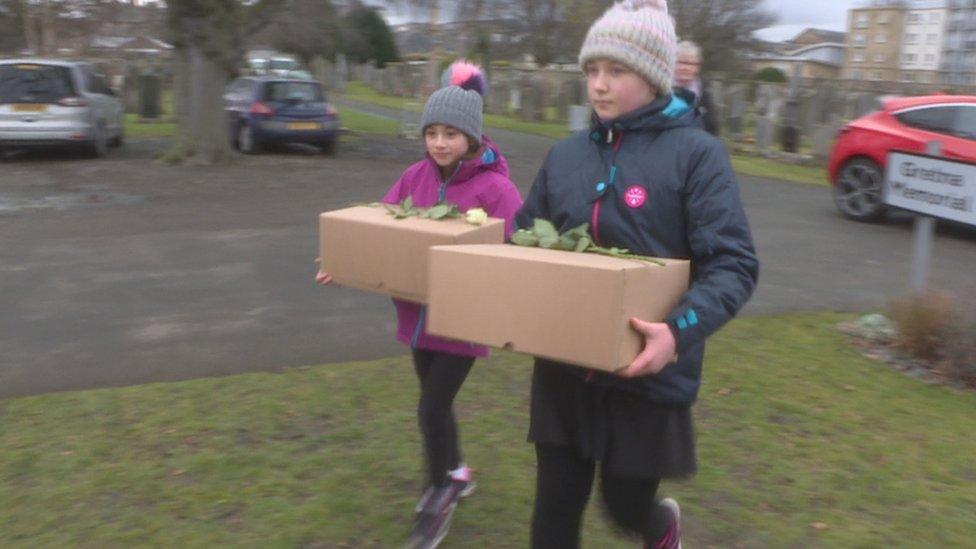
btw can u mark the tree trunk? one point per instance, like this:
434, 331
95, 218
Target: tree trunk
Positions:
30, 28
198, 97
208, 35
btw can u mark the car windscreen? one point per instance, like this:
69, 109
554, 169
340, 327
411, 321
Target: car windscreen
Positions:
34, 83
300, 92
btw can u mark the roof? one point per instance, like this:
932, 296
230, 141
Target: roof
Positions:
43, 61
825, 35
899, 103
272, 78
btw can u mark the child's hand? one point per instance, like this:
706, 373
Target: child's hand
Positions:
322, 278
659, 349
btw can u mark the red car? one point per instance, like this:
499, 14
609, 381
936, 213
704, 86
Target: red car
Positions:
857, 159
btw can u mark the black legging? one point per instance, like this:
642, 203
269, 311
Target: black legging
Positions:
563, 484
441, 376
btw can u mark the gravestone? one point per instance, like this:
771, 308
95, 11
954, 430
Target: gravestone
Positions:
515, 99
341, 72
579, 118
737, 109
764, 132
530, 104
150, 95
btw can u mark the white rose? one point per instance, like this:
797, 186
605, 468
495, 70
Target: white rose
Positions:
476, 216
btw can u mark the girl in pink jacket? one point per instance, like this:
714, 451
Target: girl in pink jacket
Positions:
462, 167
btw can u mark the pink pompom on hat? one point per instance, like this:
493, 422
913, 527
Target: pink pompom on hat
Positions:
639, 34
459, 103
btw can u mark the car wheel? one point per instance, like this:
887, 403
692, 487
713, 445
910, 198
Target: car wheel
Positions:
329, 147
119, 139
245, 140
857, 192
98, 147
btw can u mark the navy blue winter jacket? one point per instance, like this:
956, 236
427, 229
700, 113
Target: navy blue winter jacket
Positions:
652, 181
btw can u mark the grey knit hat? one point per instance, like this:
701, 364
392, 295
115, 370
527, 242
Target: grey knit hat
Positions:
459, 103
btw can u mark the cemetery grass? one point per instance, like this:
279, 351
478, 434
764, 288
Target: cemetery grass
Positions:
356, 122
770, 169
802, 442
743, 164
164, 126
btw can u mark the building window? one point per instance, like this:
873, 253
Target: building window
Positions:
909, 58
934, 17
855, 75
859, 40
914, 18
883, 18
862, 21
931, 38
907, 77
911, 38
879, 58
926, 78
881, 38
930, 58
858, 57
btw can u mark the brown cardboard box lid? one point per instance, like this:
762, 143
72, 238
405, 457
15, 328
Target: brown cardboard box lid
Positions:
365, 247
566, 306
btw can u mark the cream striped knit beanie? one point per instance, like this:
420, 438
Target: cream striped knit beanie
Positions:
639, 34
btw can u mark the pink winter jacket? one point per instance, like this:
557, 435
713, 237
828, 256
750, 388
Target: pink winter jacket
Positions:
481, 182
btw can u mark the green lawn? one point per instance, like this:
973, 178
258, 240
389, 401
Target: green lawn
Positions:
360, 122
352, 120
802, 443
135, 127
743, 164
771, 169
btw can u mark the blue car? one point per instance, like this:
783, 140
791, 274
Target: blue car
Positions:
267, 110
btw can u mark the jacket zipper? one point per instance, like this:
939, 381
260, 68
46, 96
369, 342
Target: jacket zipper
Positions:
595, 220
418, 329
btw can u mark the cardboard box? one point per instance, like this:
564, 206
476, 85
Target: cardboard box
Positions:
366, 248
565, 306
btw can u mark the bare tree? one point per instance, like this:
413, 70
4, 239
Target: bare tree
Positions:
306, 28
553, 29
723, 28
208, 35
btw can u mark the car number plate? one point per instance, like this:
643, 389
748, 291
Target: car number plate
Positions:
303, 125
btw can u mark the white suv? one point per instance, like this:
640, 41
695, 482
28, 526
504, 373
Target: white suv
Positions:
55, 103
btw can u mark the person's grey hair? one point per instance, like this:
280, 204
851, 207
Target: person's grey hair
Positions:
687, 47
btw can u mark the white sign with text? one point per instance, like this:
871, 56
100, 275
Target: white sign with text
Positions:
937, 187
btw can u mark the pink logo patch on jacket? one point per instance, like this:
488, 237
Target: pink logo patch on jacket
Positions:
636, 196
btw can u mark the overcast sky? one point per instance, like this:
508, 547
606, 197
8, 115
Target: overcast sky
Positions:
794, 16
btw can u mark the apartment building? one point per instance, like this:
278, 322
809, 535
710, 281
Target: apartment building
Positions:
874, 41
922, 40
959, 47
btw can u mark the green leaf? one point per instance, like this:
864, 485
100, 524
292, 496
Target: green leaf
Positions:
583, 243
545, 231
579, 232
523, 237
439, 211
567, 242
390, 208
407, 204
548, 241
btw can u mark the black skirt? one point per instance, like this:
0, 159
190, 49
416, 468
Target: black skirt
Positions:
632, 436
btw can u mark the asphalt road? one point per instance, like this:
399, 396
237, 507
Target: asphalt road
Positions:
121, 271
